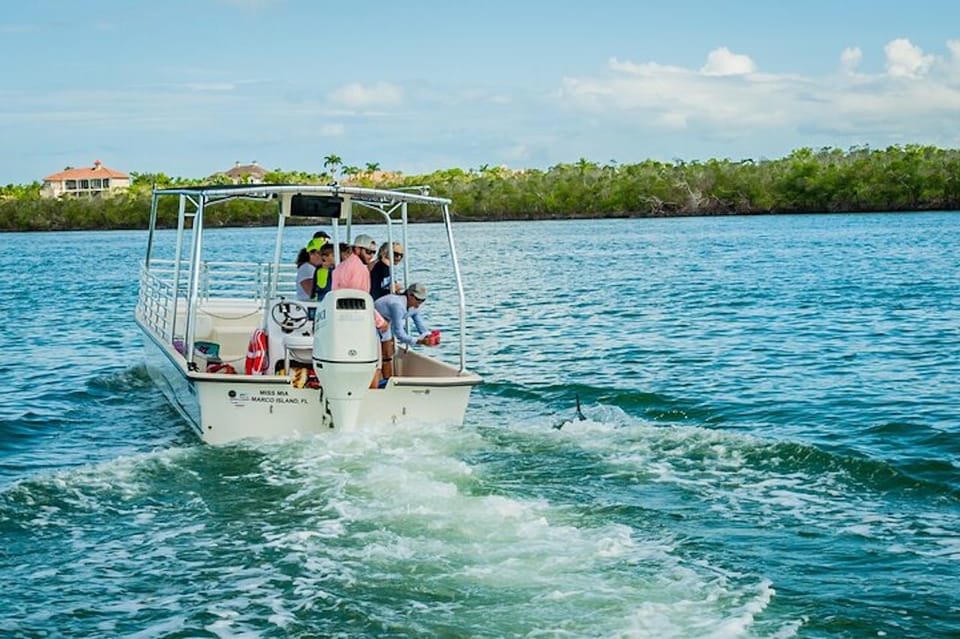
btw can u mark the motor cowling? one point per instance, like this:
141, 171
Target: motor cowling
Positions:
345, 352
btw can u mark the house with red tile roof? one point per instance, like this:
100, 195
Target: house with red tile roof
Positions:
92, 181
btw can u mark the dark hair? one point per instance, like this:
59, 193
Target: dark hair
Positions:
302, 257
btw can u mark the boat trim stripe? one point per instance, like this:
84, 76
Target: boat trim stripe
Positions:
439, 383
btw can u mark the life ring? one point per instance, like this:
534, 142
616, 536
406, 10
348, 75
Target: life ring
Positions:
257, 353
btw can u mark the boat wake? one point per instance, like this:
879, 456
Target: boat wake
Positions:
396, 530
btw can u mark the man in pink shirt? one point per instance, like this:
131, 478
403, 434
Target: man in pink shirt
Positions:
353, 272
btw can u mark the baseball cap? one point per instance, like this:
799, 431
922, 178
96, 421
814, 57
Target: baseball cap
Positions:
315, 244
418, 290
365, 241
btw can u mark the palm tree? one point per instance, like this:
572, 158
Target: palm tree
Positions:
373, 167
332, 162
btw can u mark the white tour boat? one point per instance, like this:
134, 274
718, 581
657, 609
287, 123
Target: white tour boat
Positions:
238, 356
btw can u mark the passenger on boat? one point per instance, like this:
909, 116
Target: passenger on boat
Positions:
380, 276
344, 251
395, 308
353, 272
323, 276
307, 261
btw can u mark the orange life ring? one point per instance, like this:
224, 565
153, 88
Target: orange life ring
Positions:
257, 353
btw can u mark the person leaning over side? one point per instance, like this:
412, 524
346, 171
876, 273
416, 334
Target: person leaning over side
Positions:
395, 308
380, 276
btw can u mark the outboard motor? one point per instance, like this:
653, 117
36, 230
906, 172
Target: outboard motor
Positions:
345, 352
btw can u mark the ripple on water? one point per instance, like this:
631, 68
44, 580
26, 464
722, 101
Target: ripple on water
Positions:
770, 448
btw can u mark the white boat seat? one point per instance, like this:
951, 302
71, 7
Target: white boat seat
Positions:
203, 326
233, 340
298, 347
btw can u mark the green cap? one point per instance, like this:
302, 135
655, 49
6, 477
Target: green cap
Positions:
315, 244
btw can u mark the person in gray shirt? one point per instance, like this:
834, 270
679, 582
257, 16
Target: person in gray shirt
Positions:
395, 308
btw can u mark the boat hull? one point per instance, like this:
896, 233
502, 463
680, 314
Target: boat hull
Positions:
225, 408
209, 320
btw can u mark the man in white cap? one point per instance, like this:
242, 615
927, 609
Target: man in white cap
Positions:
353, 272
395, 308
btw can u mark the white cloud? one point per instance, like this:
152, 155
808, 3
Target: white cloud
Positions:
251, 5
332, 130
724, 62
675, 97
673, 120
211, 86
646, 69
904, 59
850, 59
954, 46
728, 99
952, 65
358, 96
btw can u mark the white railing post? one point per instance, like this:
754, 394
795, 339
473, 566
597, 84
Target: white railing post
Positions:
460, 297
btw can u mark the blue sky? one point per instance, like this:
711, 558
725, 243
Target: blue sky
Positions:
187, 88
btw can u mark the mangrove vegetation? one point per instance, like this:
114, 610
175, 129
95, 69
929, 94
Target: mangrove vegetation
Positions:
860, 179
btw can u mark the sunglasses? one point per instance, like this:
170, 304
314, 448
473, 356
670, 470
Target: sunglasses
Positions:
368, 251
397, 256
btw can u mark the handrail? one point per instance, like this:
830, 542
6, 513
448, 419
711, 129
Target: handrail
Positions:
164, 296
222, 279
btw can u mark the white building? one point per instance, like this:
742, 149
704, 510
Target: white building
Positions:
246, 173
92, 181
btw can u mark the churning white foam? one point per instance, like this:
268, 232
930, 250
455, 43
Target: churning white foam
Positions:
406, 527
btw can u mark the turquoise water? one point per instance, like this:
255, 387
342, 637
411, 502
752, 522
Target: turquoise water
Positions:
771, 449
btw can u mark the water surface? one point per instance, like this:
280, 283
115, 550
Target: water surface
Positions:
770, 450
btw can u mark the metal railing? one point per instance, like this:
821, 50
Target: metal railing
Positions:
163, 295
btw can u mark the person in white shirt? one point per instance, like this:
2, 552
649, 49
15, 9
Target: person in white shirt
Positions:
307, 262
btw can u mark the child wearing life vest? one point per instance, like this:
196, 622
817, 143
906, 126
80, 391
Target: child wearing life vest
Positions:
323, 276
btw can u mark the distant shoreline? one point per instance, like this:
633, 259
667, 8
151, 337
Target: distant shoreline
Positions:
494, 219
909, 178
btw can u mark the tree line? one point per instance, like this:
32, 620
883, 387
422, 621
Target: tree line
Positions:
860, 179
